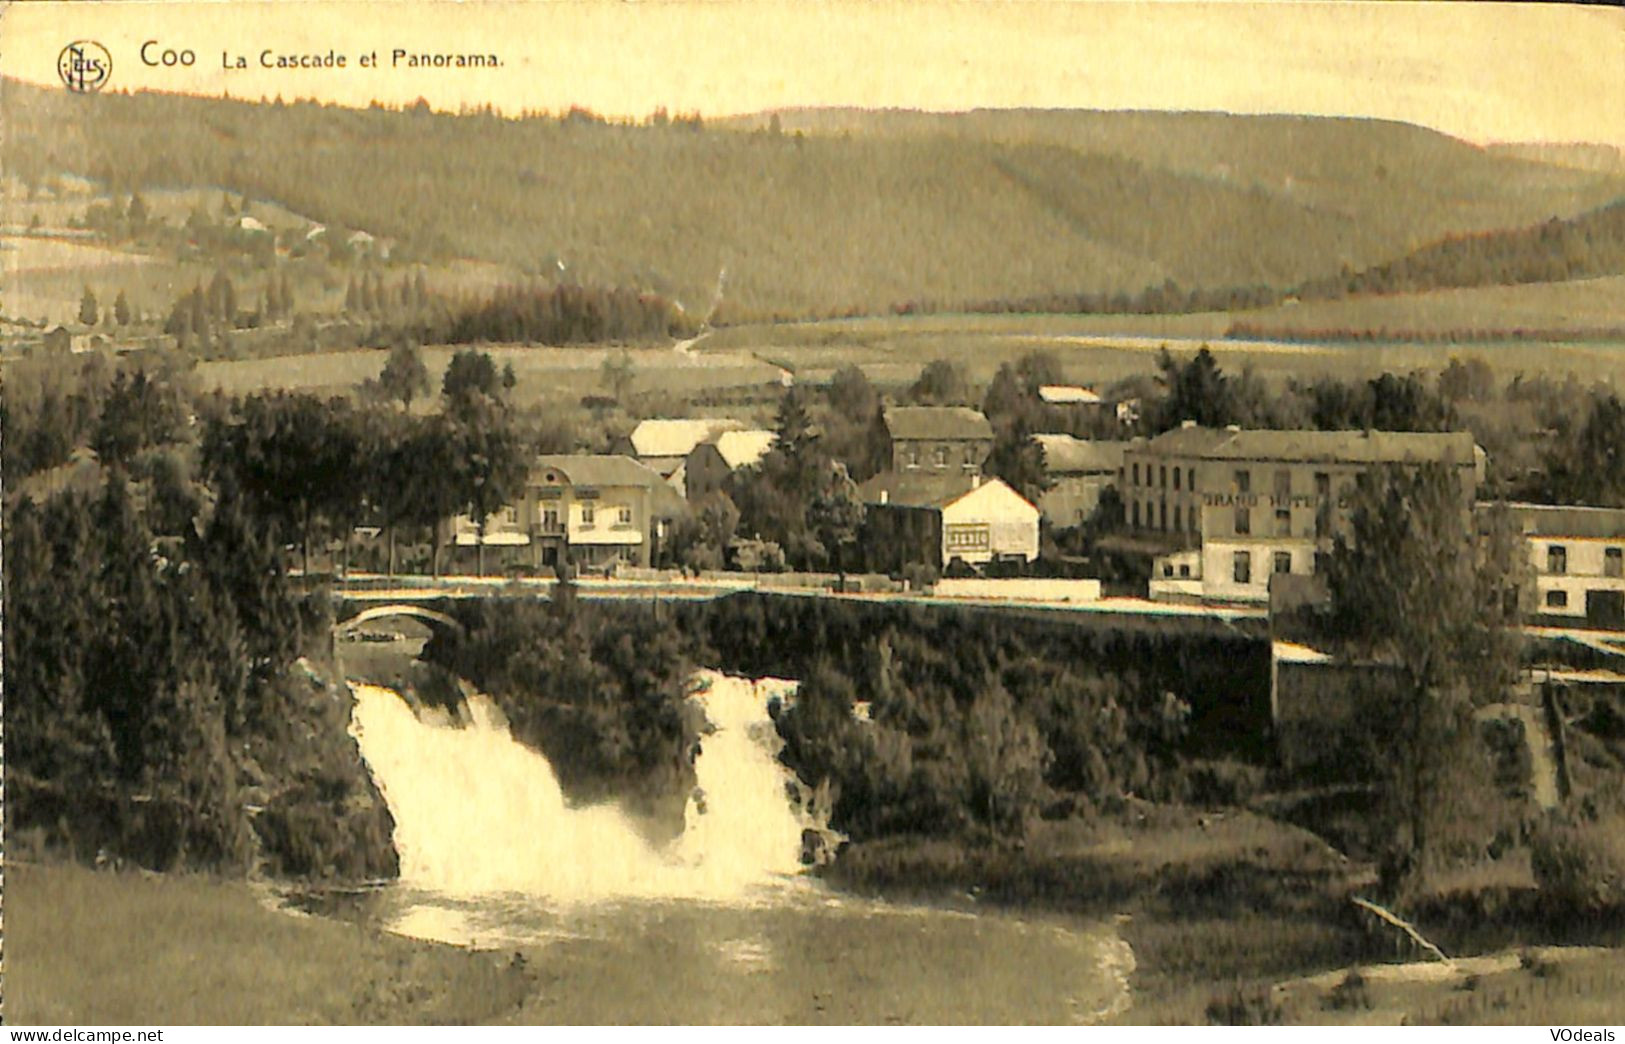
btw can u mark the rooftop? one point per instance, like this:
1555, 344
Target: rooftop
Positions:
1068, 394
1066, 455
911, 489
937, 422
599, 469
1359, 447
1188, 440
741, 449
1568, 520
677, 438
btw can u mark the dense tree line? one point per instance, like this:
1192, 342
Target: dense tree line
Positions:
1582, 247
151, 696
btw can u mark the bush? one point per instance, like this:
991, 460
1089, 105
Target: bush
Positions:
1582, 866
1350, 994
1244, 1007
1216, 784
920, 576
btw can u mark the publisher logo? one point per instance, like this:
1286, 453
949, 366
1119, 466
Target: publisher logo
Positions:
84, 66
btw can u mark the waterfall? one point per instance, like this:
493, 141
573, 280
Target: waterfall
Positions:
477, 813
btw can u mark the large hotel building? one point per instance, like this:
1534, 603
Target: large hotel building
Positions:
1233, 507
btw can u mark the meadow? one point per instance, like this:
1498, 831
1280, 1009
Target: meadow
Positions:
132, 948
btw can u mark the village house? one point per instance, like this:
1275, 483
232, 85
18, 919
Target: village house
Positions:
933, 519
938, 439
664, 443
712, 463
1079, 471
1083, 409
1578, 558
584, 510
1235, 507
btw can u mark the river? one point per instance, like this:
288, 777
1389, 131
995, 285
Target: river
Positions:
718, 926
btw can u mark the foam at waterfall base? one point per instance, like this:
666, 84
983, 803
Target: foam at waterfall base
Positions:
476, 812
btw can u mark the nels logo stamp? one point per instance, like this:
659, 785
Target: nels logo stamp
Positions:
84, 66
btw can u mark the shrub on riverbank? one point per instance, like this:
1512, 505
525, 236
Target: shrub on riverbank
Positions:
1583, 865
600, 691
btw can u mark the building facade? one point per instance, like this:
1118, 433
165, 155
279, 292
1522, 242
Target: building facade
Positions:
938, 439
934, 519
1235, 507
589, 511
1577, 555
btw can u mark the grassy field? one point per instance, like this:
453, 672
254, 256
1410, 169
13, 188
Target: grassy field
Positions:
892, 351
88, 948
1582, 304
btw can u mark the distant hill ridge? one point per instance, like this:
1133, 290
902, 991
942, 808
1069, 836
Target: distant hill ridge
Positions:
861, 213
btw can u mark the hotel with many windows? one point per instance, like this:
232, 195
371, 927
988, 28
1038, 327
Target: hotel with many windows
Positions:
1233, 507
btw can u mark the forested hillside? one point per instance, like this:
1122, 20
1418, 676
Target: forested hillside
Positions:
817, 217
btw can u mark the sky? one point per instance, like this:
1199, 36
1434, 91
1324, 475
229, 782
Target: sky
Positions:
1481, 71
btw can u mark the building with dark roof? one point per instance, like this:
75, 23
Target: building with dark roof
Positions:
1079, 470
586, 510
938, 439
932, 519
1235, 507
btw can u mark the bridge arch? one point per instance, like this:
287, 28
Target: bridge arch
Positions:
432, 617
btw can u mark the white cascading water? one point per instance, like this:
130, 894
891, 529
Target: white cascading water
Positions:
476, 812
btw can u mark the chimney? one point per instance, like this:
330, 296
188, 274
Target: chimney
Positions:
976, 480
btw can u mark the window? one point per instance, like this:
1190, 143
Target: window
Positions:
1283, 521
1557, 558
1177, 527
1323, 485
550, 519
1241, 565
1244, 482
1244, 521
588, 514
1190, 480
624, 516
940, 458
1176, 481
1192, 521
1613, 561
1557, 599
1136, 473
1283, 482
1283, 561
1185, 570
1162, 476
1163, 525
1167, 569
914, 456
1136, 510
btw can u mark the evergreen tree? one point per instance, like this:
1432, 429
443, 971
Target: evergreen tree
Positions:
404, 375
89, 311
121, 309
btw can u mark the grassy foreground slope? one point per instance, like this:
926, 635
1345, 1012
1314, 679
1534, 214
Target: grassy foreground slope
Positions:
87, 948
862, 215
